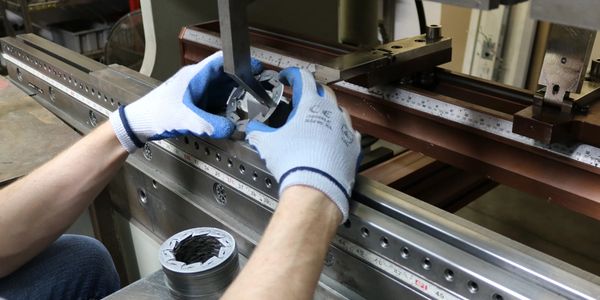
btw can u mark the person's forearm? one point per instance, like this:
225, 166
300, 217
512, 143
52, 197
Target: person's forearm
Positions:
289, 259
36, 209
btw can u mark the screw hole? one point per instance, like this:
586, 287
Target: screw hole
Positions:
497, 297
206, 151
220, 194
426, 264
449, 275
154, 184
229, 162
563, 60
405, 252
254, 176
420, 40
268, 183
555, 89
218, 157
242, 169
473, 287
396, 47
364, 232
142, 195
384, 242
196, 145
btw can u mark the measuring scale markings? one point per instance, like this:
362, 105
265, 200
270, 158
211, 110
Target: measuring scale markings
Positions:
405, 275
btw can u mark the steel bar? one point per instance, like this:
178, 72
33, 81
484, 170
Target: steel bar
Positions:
386, 63
236, 48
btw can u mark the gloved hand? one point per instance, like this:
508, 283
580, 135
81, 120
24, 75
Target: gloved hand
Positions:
179, 106
317, 146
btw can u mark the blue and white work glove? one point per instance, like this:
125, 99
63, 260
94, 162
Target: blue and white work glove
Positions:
317, 146
179, 106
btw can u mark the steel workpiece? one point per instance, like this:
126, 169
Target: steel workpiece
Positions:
392, 245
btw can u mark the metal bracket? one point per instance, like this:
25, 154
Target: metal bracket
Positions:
565, 63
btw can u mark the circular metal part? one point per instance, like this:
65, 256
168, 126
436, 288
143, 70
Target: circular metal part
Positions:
199, 263
433, 33
242, 106
219, 193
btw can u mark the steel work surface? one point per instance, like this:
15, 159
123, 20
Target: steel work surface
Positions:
30, 135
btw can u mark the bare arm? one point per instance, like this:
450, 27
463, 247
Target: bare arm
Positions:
36, 209
289, 259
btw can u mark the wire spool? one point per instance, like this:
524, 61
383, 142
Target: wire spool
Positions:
199, 263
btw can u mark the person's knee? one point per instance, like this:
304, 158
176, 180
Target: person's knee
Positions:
73, 267
89, 257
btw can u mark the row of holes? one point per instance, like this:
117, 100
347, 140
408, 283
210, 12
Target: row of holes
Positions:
218, 158
66, 78
449, 275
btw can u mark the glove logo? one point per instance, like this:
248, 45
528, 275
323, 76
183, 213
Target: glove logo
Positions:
347, 135
319, 116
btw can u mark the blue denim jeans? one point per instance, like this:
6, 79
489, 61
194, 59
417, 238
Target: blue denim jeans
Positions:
73, 267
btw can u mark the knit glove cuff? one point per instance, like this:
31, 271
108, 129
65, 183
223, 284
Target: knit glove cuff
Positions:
125, 134
319, 180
